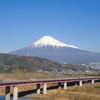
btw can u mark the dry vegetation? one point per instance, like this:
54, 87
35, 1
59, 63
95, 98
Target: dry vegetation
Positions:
19, 75
86, 92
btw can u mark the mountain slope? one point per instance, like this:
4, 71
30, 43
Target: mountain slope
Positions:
10, 63
50, 41
50, 48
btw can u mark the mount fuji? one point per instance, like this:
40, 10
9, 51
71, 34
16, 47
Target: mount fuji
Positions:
50, 48
50, 41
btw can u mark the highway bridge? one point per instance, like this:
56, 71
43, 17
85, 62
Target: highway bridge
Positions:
41, 82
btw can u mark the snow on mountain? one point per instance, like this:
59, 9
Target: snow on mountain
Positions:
50, 41
52, 49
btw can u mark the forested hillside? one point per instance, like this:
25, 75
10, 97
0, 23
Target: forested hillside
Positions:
10, 63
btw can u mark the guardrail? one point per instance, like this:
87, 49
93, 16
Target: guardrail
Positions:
40, 81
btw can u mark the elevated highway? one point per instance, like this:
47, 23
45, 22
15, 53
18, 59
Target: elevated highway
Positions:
43, 82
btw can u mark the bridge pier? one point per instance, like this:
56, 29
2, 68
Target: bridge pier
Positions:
65, 85
38, 88
59, 85
7, 93
15, 94
92, 81
45, 88
76, 83
80, 83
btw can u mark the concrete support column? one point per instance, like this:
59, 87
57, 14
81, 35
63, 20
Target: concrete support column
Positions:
7, 93
15, 95
45, 88
80, 83
38, 88
59, 85
92, 81
65, 85
76, 84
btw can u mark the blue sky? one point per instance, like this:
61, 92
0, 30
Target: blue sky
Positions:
75, 22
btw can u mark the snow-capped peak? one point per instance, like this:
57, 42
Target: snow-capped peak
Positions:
50, 41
